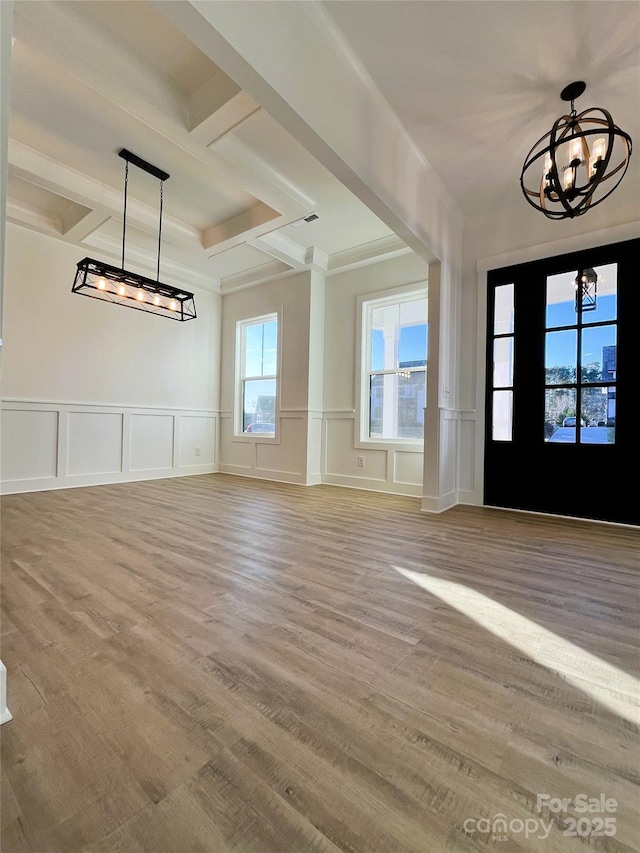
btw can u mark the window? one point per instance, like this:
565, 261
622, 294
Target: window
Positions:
257, 342
394, 373
580, 356
502, 373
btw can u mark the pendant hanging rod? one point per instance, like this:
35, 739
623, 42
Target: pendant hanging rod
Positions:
124, 210
159, 230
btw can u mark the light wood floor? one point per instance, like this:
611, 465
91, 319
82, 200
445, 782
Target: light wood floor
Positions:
213, 664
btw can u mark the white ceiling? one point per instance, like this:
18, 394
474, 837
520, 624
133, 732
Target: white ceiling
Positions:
477, 83
474, 83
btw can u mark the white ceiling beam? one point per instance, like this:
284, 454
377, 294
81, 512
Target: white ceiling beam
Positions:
239, 229
384, 248
282, 248
35, 220
77, 226
217, 107
258, 275
211, 97
316, 259
237, 155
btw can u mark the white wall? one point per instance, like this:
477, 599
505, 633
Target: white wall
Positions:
284, 457
388, 469
94, 393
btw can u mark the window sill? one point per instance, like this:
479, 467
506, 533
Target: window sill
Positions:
407, 445
261, 437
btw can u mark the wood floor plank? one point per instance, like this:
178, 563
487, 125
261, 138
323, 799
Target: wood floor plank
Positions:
214, 664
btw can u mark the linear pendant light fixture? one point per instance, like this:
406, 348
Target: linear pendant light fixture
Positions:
122, 287
570, 169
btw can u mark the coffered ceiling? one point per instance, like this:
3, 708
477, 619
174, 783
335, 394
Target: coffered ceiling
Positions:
91, 78
474, 84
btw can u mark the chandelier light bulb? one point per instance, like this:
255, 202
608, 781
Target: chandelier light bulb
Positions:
121, 290
102, 284
140, 296
156, 300
548, 165
599, 148
172, 305
575, 152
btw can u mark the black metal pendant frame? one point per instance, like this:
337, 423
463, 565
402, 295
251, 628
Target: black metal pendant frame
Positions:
131, 290
563, 185
113, 284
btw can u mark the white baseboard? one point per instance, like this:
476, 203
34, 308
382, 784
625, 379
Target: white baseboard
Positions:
292, 477
17, 487
368, 484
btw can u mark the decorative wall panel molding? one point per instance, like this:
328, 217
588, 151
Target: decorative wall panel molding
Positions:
395, 471
47, 445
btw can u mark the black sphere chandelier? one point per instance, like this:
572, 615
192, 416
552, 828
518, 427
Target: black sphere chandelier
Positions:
578, 163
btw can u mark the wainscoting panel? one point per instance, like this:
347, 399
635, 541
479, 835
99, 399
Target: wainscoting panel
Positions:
466, 445
29, 444
237, 456
197, 440
384, 470
287, 459
94, 443
151, 442
448, 452
408, 468
56, 445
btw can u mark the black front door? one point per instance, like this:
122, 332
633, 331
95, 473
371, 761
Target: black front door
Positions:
563, 390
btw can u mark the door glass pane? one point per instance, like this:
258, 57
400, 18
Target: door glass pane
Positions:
599, 415
560, 415
598, 354
561, 300
503, 310
502, 416
560, 357
605, 295
503, 362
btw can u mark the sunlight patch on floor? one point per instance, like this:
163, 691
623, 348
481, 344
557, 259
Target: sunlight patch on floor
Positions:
613, 688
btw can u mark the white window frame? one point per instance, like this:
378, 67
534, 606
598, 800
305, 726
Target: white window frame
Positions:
366, 303
241, 326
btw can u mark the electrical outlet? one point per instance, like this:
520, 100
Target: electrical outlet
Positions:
360, 461
197, 451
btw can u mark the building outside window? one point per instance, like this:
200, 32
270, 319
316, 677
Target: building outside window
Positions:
394, 367
256, 388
